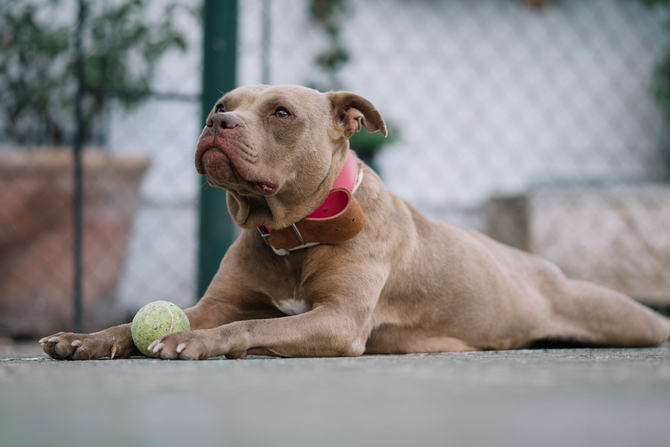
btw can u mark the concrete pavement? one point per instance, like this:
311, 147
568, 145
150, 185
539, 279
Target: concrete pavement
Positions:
583, 397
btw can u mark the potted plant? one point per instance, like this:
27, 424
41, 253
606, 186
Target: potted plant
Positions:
37, 90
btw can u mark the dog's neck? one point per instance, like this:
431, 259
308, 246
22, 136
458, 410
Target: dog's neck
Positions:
338, 219
286, 208
350, 178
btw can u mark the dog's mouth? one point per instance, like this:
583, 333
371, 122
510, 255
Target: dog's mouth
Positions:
222, 170
266, 187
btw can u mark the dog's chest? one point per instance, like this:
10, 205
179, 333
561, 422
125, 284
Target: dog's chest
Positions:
292, 306
288, 296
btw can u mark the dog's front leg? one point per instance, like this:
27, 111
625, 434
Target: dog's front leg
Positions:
322, 332
338, 325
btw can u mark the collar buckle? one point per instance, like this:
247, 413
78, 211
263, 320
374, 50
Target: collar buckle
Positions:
265, 234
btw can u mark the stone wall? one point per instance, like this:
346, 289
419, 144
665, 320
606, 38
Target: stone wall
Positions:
618, 237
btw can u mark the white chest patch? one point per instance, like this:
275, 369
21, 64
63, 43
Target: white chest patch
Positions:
293, 306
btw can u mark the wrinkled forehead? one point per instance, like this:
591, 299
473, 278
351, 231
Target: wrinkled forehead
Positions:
293, 97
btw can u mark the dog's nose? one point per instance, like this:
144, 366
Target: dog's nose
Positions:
220, 121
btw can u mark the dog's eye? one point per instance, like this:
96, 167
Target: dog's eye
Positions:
220, 109
281, 113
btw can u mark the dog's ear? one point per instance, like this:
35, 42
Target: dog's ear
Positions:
354, 111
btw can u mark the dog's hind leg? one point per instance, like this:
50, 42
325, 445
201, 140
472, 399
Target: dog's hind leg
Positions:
398, 340
593, 314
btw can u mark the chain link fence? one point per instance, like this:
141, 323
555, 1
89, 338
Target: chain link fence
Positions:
534, 122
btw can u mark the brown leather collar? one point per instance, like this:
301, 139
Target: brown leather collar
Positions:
313, 231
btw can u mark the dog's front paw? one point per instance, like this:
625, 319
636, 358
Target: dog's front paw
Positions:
112, 343
188, 345
191, 345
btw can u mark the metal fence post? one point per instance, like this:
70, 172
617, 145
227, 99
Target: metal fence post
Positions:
78, 197
216, 229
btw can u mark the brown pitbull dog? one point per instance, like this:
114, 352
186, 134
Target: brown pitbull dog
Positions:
331, 263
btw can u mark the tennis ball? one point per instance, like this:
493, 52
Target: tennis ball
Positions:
155, 320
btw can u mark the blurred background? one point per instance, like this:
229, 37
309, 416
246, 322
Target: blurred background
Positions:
541, 123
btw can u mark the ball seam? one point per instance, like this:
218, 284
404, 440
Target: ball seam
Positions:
171, 315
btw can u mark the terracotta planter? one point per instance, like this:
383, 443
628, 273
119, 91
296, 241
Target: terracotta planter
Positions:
36, 237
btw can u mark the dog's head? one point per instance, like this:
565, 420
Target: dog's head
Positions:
277, 150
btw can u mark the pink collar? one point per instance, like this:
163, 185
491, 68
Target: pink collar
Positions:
347, 179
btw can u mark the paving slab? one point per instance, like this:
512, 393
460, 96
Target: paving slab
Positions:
581, 397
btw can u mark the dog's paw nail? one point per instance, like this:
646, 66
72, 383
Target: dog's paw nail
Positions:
157, 348
115, 351
76, 343
43, 340
181, 347
151, 346
53, 340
